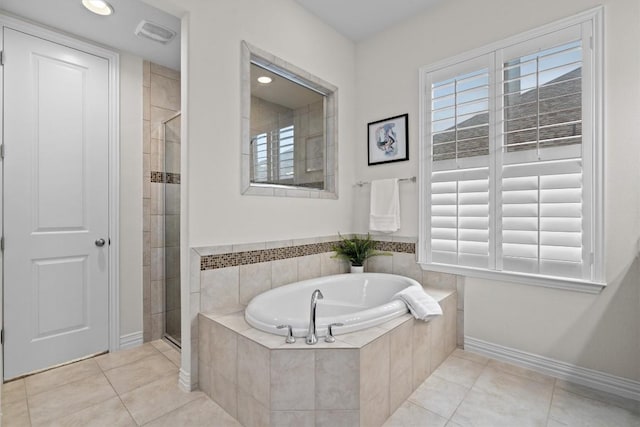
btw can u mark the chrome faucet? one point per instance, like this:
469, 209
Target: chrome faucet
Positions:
311, 336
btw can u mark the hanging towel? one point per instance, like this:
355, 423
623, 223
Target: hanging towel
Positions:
385, 206
420, 304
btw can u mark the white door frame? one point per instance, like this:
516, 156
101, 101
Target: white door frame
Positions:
113, 59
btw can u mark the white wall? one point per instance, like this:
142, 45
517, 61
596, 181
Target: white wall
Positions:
218, 213
599, 332
214, 211
130, 194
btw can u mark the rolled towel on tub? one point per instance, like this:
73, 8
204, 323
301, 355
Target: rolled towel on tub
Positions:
421, 304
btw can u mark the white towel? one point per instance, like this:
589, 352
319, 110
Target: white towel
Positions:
385, 206
421, 304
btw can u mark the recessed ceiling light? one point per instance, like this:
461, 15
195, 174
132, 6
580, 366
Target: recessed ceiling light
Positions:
99, 7
264, 79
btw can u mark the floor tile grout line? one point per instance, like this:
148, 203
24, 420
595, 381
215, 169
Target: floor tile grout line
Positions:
79, 410
129, 362
515, 374
603, 399
120, 399
408, 399
126, 408
173, 410
467, 392
162, 376
143, 385
26, 398
461, 402
599, 400
87, 375
553, 393
164, 353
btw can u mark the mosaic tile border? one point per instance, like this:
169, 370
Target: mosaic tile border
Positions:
165, 177
233, 259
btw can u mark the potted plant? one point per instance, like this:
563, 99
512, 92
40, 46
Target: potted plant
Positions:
356, 250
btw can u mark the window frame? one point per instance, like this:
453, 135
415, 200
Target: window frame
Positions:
592, 30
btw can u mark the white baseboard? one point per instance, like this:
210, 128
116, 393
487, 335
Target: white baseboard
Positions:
184, 381
588, 377
131, 340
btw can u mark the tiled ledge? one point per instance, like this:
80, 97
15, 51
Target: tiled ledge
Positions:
364, 376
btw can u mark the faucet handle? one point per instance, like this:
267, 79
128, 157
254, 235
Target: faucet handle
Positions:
329, 337
290, 338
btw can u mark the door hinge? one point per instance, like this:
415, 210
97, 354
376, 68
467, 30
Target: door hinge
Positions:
1, 57
2, 336
1, 151
2, 243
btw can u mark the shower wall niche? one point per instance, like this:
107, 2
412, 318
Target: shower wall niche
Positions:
161, 202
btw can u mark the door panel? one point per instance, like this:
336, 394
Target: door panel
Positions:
60, 142
56, 203
55, 315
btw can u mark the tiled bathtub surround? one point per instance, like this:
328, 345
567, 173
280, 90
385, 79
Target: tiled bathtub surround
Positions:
361, 379
227, 277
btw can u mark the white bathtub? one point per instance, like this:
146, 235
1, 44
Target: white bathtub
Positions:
359, 301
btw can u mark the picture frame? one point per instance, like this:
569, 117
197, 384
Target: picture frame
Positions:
388, 140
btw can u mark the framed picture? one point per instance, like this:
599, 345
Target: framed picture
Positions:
388, 140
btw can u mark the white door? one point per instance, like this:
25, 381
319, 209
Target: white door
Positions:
56, 203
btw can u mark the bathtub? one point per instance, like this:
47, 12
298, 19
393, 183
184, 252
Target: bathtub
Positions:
359, 301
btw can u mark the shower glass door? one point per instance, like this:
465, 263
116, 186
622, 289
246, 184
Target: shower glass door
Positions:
172, 228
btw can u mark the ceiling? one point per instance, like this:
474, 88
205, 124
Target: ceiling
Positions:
356, 19
281, 90
359, 19
116, 31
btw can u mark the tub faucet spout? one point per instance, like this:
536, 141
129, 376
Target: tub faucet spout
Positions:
311, 336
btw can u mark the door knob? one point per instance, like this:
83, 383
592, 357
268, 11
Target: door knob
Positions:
100, 243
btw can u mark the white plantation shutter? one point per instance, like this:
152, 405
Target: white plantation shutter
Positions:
541, 186
460, 217
273, 154
541, 220
460, 143
285, 152
260, 167
510, 165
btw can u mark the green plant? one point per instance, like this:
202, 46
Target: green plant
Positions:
356, 250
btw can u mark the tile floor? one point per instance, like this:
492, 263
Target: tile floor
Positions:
139, 387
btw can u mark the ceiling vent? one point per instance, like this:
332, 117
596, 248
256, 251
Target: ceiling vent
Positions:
154, 32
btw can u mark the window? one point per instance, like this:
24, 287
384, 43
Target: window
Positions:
274, 155
512, 159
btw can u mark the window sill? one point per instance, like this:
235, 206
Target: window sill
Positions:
520, 278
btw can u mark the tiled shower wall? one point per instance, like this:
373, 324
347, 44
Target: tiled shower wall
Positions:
161, 101
225, 278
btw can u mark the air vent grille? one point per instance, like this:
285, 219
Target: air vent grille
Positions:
155, 32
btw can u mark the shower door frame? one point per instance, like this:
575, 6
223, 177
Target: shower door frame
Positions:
165, 335
113, 60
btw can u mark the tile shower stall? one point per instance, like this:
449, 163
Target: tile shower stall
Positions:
161, 202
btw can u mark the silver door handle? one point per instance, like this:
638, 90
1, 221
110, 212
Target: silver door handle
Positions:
100, 243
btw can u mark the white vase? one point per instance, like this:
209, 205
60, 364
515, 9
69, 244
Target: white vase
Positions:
357, 269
